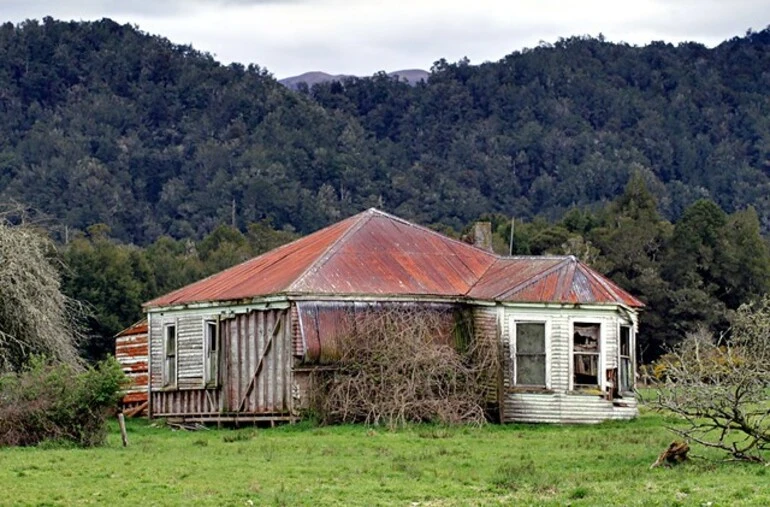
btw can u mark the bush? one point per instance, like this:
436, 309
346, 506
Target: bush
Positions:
58, 402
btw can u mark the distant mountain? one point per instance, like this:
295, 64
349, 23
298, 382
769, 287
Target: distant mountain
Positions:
412, 76
311, 78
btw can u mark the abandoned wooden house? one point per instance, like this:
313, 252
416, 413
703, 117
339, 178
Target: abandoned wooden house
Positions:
238, 345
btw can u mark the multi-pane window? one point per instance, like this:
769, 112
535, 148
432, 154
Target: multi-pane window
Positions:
169, 353
210, 351
530, 354
626, 363
585, 355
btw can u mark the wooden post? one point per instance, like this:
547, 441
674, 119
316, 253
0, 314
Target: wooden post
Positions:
122, 424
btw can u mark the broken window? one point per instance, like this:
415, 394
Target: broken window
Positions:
585, 354
169, 353
626, 362
530, 354
210, 352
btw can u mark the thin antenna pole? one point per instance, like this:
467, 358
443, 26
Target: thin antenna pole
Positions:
510, 248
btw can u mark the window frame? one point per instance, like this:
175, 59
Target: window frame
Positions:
630, 358
167, 381
601, 381
513, 322
211, 377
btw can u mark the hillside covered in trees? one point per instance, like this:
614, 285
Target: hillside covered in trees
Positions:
101, 123
153, 165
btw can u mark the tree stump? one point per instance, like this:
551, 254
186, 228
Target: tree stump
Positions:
674, 454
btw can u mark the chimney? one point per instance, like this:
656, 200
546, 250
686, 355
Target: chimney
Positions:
482, 235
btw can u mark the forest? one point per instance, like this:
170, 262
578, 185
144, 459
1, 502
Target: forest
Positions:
151, 165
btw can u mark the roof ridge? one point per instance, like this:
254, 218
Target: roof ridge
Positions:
566, 278
536, 277
428, 229
363, 217
587, 271
482, 275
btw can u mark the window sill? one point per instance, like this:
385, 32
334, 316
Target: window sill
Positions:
588, 392
530, 390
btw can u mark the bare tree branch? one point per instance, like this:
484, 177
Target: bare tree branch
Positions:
719, 388
407, 365
35, 317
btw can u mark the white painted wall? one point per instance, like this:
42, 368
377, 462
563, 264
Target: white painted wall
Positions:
560, 402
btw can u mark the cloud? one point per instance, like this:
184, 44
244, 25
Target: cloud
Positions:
363, 36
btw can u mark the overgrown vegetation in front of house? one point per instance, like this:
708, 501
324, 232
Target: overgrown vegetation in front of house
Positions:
405, 366
49, 401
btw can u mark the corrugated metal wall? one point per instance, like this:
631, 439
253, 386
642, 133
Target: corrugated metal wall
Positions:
565, 408
131, 352
322, 324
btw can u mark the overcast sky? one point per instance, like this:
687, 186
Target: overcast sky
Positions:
361, 37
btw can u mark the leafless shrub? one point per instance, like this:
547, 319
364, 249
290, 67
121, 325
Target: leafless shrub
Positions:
402, 366
720, 388
35, 317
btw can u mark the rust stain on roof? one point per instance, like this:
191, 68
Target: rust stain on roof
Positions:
377, 254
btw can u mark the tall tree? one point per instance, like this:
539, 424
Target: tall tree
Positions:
35, 316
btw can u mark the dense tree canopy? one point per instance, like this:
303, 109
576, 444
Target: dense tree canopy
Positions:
101, 123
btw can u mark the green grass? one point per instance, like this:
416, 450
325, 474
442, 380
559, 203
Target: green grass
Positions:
354, 465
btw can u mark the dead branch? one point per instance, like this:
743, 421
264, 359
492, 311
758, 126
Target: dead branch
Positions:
407, 365
674, 454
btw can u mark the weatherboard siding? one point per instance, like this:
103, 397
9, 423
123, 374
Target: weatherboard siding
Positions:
566, 408
131, 351
190, 352
558, 403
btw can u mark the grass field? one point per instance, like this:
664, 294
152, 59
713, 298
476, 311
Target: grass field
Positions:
606, 464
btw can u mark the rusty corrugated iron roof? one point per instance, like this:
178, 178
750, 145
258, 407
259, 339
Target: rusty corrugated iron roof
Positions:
377, 254
369, 253
136, 328
552, 279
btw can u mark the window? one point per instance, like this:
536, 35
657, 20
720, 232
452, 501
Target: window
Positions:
626, 362
585, 355
169, 353
210, 351
530, 354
